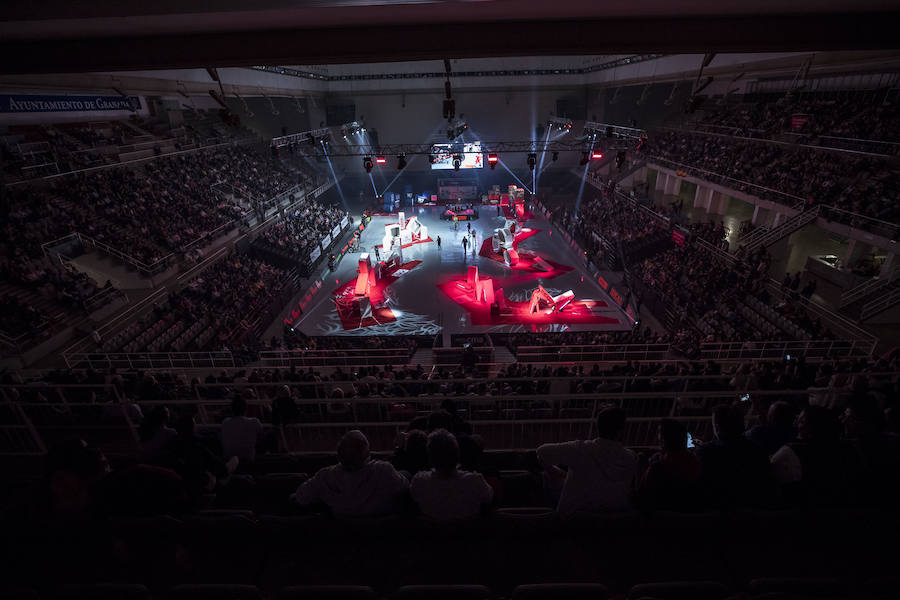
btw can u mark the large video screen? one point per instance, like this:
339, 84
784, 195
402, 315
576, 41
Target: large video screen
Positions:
472, 156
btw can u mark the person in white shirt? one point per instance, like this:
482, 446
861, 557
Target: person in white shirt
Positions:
240, 433
601, 471
445, 492
357, 486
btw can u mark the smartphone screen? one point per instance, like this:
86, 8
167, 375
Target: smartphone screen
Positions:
690, 440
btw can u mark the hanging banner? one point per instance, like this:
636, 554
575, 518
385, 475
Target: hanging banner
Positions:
335, 232
316, 253
28, 103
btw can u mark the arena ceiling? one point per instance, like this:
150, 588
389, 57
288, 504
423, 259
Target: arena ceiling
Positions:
66, 36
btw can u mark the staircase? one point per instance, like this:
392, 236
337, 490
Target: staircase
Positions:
867, 288
888, 297
765, 237
424, 357
503, 356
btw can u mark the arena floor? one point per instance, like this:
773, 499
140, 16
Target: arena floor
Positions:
426, 295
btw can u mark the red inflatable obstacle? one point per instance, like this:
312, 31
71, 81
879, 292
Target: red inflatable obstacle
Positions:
361, 301
481, 289
474, 294
555, 303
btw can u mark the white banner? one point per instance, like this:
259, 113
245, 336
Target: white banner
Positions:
315, 254
344, 222
326, 241
335, 232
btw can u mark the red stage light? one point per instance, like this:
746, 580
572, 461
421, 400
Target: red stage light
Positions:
380, 160
597, 155
492, 158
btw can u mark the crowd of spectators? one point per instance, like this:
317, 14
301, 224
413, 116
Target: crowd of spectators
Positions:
215, 311
299, 233
852, 182
867, 115
147, 212
836, 445
716, 302
603, 215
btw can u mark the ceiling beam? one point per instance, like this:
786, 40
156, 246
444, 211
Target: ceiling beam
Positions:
763, 33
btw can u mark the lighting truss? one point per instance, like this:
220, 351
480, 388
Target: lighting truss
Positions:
299, 138
352, 128
503, 147
558, 123
594, 130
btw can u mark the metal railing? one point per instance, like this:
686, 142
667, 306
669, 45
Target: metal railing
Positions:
102, 297
832, 214
840, 325
99, 413
809, 349
788, 199
829, 213
762, 237
867, 287
335, 358
845, 144
593, 353
154, 268
880, 304
213, 143
149, 360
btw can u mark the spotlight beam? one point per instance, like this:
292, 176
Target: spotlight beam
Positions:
503, 164
337, 182
581, 185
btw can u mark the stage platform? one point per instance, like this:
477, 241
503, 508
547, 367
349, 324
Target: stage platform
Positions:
426, 297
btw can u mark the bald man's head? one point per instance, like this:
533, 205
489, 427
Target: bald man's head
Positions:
353, 450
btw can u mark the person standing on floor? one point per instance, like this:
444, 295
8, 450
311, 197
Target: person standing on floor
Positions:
439, 242
465, 243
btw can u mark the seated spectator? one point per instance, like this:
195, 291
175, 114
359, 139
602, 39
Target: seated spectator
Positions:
778, 429
735, 472
411, 456
600, 472
818, 469
81, 485
672, 479
357, 486
865, 426
240, 433
284, 409
445, 492
157, 438
459, 425
195, 462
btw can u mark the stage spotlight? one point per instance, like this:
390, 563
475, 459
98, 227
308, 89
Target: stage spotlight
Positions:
492, 160
401, 162
380, 160
596, 154
457, 161
367, 164
532, 160
585, 159
559, 123
555, 156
